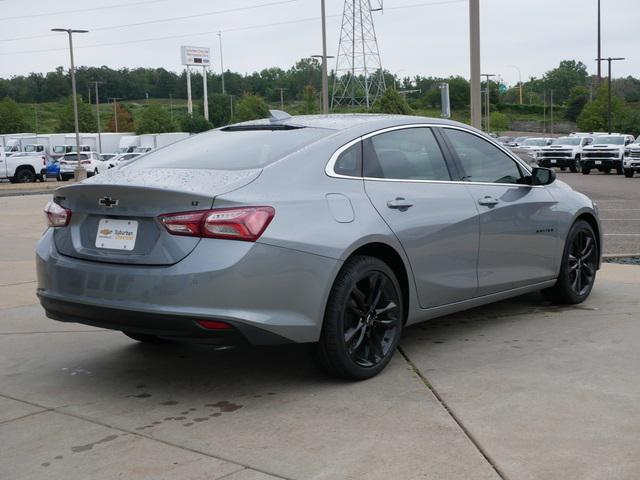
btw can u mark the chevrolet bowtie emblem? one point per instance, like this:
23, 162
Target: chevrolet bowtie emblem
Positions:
108, 202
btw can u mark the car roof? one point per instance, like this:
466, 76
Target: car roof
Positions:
347, 121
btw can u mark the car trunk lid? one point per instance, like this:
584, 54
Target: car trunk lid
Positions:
114, 214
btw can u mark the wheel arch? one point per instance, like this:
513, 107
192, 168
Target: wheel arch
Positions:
25, 166
593, 222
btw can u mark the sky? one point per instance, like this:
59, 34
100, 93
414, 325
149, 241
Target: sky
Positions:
415, 37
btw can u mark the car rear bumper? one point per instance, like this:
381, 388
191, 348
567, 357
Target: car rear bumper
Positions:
251, 286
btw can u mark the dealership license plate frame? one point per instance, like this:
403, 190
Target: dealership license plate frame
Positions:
117, 234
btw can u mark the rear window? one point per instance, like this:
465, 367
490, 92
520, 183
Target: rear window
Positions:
231, 150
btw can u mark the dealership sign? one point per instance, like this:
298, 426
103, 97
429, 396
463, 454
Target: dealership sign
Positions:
195, 56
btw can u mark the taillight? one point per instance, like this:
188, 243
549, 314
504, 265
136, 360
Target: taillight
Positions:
243, 223
85, 162
214, 325
57, 216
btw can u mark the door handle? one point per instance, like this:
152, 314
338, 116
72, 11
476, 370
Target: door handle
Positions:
488, 201
400, 203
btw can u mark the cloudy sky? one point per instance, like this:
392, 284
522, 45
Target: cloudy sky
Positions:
425, 37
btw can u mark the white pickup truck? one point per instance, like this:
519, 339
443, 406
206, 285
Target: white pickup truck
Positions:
605, 154
632, 159
564, 152
22, 167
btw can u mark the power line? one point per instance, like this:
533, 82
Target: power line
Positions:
161, 20
209, 32
81, 10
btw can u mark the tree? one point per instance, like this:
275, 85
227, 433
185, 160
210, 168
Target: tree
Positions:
309, 98
155, 119
195, 124
11, 117
86, 117
566, 76
392, 102
250, 107
125, 120
594, 116
219, 109
578, 98
499, 122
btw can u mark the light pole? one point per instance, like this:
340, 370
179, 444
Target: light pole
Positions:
487, 100
96, 83
79, 170
609, 60
221, 62
599, 47
474, 49
282, 89
115, 110
519, 80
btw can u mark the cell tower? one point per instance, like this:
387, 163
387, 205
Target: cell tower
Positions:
359, 78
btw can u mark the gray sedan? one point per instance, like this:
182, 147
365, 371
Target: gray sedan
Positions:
337, 231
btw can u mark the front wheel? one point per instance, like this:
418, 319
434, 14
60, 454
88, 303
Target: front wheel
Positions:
578, 269
628, 172
363, 320
24, 175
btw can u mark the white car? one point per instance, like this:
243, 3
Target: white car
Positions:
90, 161
119, 159
564, 152
631, 163
530, 147
606, 153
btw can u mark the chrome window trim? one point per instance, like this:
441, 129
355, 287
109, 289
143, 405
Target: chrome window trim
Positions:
329, 168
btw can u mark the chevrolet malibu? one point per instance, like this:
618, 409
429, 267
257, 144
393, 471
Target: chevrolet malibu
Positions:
337, 231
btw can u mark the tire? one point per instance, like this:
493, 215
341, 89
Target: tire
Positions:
24, 175
358, 339
628, 172
575, 168
578, 269
586, 171
619, 170
144, 338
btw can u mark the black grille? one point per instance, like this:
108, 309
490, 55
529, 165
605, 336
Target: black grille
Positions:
552, 154
601, 154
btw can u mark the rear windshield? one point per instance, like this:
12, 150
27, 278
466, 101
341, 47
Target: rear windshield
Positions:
610, 140
567, 141
231, 150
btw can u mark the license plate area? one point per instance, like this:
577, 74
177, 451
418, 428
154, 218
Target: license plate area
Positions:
116, 234
554, 161
598, 162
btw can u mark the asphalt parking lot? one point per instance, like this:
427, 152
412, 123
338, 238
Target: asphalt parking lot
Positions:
515, 390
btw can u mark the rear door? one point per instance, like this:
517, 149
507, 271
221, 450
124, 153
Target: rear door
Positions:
410, 184
517, 221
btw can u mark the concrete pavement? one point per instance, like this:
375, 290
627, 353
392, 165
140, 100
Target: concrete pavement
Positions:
518, 390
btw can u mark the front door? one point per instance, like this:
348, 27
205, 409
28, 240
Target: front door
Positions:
517, 221
409, 183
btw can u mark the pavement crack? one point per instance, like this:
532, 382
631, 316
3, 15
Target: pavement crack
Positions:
454, 416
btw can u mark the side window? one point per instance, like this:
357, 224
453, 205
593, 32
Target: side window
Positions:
349, 162
482, 161
406, 154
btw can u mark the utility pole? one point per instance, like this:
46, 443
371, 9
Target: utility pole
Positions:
36, 114
221, 62
96, 83
474, 50
115, 110
487, 95
599, 47
609, 60
551, 106
282, 97
79, 172
189, 101
325, 79
544, 111
519, 80
171, 106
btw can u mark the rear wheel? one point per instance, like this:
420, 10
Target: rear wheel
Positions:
144, 338
578, 270
576, 165
363, 320
24, 175
586, 171
628, 172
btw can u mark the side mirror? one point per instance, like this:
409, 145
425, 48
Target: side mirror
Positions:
542, 176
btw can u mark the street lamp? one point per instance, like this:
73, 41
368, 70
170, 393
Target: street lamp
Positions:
221, 62
609, 60
79, 170
474, 50
519, 80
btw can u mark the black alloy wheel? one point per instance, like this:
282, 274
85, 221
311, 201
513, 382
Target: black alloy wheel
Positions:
579, 266
363, 320
371, 319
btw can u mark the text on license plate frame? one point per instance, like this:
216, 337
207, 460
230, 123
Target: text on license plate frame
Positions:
117, 234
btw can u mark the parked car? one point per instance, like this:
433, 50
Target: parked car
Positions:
516, 141
631, 162
529, 148
119, 159
90, 161
606, 153
52, 169
505, 140
337, 231
22, 167
564, 152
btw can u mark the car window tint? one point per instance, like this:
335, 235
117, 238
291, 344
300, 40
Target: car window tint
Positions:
482, 161
349, 162
406, 154
232, 150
